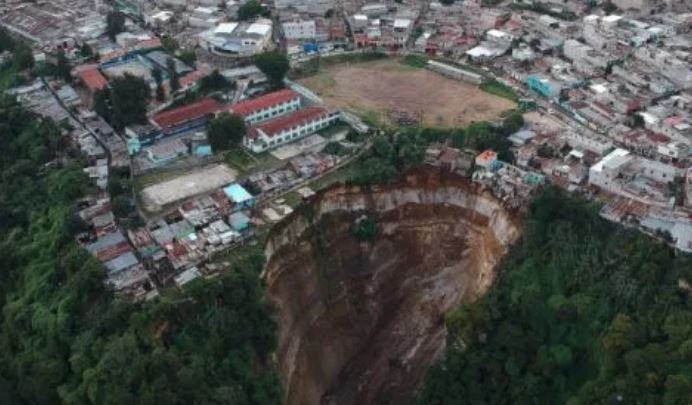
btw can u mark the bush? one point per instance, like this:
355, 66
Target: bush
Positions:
365, 229
492, 86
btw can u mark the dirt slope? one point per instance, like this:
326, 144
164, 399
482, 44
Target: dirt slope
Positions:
360, 322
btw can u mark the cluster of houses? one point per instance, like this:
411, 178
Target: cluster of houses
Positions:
634, 188
378, 25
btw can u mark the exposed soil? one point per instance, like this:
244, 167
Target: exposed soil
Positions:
361, 322
387, 86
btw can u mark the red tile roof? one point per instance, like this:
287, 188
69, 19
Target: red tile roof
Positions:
191, 78
248, 107
181, 115
300, 117
93, 79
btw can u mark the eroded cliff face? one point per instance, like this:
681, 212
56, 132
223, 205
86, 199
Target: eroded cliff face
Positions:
359, 322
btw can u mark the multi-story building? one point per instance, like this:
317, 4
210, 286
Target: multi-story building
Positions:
268, 106
607, 173
299, 29
233, 39
288, 128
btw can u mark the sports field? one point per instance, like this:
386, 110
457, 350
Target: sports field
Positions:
391, 92
157, 196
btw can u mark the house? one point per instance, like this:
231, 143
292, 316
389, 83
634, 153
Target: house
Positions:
166, 151
141, 135
288, 128
239, 221
187, 118
543, 86
605, 174
91, 78
486, 159
267, 106
240, 197
299, 29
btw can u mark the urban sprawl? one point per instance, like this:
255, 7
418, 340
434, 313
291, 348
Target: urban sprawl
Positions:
605, 88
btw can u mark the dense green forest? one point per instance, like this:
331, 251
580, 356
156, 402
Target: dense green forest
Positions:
583, 312
65, 338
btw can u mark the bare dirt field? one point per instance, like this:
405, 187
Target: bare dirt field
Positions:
156, 196
383, 90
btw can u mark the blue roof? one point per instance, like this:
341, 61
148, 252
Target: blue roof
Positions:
203, 150
237, 193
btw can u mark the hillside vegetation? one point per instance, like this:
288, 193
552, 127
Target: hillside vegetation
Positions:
65, 338
584, 312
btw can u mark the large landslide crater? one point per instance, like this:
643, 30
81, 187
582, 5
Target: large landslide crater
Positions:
360, 322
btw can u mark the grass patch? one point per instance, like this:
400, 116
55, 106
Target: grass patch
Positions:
246, 162
416, 61
242, 252
314, 65
334, 129
293, 199
341, 175
493, 86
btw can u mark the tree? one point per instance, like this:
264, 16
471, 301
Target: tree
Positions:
214, 81
225, 131
115, 24
102, 103
23, 57
63, 69
157, 75
170, 44
85, 51
637, 121
250, 10
365, 228
122, 206
129, 97
512, 123
274, 65
6, 40
447, 2
173, 78
188, 56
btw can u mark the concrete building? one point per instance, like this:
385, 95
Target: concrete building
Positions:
233, 39
288, 128
605, 173
299, 29
544, 86
267, 106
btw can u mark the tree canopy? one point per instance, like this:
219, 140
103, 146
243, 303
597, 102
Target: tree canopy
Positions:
157, 75
115, 24
125, 102
214, 81
251, 9
63, 69
582, 312
173, 76
274, 65
225, 131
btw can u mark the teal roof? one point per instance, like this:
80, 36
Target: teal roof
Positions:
237, 193
203, 150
